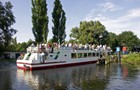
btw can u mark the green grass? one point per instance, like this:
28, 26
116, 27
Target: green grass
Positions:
7, 60
133, 58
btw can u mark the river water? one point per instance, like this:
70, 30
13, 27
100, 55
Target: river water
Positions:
85, 77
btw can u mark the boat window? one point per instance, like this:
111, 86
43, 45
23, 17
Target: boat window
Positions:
89, 54
27, 58
73, 55
94, 55
50, 55
97, 54
85, 54
79, 55
109, 53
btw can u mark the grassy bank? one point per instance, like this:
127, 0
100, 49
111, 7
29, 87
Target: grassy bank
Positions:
7, 60
133, 58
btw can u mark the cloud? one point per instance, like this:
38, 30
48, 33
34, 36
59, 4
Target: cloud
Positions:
101, 9
126, 20
108, 6
120, 24
134, 13
130, 16
95, 14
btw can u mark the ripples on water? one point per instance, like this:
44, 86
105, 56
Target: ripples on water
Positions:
84, 77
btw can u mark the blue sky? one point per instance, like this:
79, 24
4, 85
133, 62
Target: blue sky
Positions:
115, 15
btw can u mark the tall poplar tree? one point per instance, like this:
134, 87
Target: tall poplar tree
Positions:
59, 21
40, 20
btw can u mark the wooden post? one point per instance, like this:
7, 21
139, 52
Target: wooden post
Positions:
119, 56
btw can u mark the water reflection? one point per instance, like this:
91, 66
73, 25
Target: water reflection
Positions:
122, 78
7, 75
84, 77
71, 78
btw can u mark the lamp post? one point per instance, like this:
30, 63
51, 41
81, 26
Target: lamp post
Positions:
100, 37
87, 35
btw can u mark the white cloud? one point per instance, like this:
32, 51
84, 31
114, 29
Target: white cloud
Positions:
131, 16
102, 8
120, 24
108, 6
128, 21
96, 15
134, 13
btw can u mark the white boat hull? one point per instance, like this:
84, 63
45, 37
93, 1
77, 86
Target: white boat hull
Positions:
54, 64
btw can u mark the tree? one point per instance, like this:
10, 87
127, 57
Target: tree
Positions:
128, 39
89, 32
40, 20
21, 47
14, 41
50, 41
7, 19
112, 41
59, 21
12, 46
75, 34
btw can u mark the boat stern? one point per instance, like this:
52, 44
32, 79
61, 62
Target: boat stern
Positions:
23, 64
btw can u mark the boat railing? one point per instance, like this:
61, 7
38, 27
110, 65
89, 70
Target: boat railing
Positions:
33, 49
82, 48
66, 48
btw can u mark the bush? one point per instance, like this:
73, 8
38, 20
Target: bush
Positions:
133, 58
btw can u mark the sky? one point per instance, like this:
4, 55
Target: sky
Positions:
116, 15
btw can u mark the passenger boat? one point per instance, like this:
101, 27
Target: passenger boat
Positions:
63, 57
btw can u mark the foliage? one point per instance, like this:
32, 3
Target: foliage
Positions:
133, 58
75, 34
40, 20
7, 19
112, 40
59, 21
89, 32
14, 41
50, 41
20, 47
128, 39
1, 48
93, 32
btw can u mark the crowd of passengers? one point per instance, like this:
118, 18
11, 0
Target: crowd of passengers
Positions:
67, 46
87, 47
79, 46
